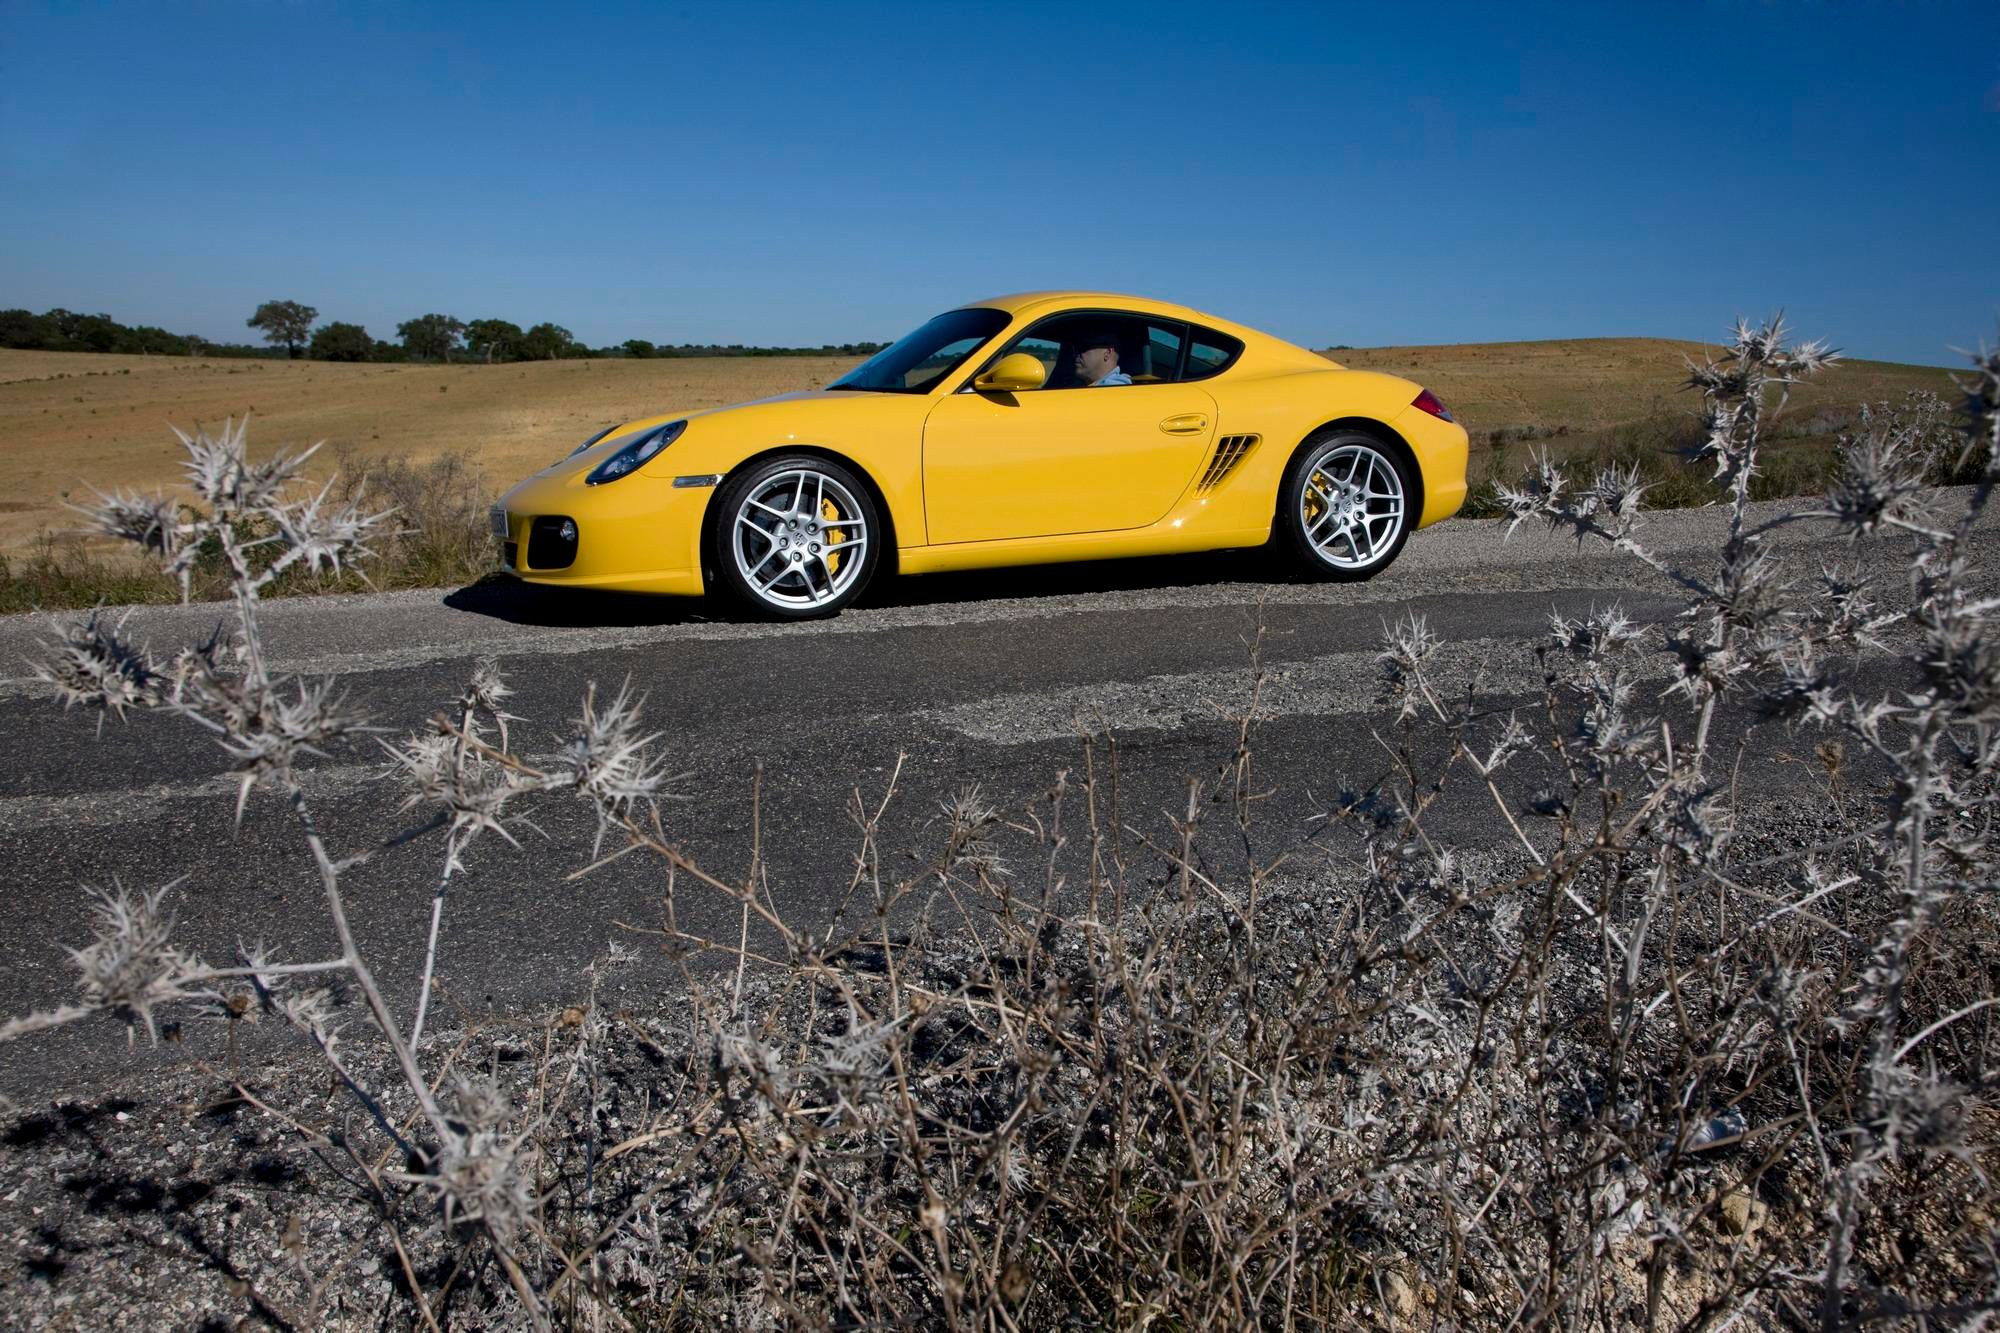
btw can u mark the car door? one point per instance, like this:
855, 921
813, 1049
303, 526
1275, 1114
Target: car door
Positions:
1054, 461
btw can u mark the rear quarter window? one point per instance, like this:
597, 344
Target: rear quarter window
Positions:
1209, 353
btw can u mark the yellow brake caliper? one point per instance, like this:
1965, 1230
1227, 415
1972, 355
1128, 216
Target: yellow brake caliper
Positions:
834, 536
1314, 506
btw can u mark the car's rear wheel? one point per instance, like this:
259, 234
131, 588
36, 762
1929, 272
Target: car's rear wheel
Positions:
796, 537
1344, 508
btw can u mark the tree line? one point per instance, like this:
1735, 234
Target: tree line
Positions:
291, 329
62, 330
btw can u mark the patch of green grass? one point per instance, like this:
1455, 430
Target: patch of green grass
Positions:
62, 575
1665, 450
441, 540
1784, 473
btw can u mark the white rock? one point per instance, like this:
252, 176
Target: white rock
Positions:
1400, 1295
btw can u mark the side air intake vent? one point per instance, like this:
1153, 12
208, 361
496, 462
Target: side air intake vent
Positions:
1229, 451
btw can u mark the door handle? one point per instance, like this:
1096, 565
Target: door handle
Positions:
1188, 423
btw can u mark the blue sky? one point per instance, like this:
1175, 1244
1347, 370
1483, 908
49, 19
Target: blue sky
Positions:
770, 173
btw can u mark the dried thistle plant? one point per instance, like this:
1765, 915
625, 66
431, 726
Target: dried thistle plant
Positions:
1641, 1058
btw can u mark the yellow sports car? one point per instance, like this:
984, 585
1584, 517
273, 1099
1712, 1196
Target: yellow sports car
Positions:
1043, 427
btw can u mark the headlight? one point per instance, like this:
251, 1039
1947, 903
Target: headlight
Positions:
636, 454
592, 440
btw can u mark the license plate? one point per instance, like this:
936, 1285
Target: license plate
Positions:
498, 516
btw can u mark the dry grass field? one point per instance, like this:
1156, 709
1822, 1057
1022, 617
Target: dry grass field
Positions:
1593, 384
68, 420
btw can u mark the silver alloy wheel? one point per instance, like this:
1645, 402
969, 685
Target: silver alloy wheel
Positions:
799, 539
1351, 507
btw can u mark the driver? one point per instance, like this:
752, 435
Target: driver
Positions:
1097, 362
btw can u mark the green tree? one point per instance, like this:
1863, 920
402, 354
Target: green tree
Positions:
24, 329
432, 337
341, 342
285, 322
98, 333
70, 332
150, 341
493, 339
639, 347
547, 341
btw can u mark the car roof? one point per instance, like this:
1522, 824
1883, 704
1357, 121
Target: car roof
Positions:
1023, 302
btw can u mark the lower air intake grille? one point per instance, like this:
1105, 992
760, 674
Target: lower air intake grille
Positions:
551, 542
1229, 451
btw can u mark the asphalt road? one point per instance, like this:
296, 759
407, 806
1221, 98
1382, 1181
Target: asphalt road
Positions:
972, 679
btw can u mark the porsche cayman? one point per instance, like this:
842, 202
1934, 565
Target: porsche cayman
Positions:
1051, 426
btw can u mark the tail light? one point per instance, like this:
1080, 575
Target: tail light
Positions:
1428, 402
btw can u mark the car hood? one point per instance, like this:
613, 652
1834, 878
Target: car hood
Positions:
802, 401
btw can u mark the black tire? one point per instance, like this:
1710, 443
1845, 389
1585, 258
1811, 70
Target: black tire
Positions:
824, 538
1349, 471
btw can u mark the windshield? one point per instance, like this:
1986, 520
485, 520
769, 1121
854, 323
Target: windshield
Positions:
915, 363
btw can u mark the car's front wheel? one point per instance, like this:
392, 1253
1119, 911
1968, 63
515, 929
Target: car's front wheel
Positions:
1344, 508
795, 538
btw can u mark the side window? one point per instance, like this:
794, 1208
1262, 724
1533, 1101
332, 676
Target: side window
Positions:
1210, 353
1098, 350
1046, 350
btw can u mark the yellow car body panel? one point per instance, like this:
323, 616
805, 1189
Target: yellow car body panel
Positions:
634, 529
999, 466
973, 480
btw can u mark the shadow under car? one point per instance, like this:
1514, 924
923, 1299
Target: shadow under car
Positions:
504, 597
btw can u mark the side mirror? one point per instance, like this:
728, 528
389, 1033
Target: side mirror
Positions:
1015, 371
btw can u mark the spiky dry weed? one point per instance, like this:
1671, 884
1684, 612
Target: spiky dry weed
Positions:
1642, 1065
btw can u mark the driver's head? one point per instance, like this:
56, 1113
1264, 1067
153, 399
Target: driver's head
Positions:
1096, 357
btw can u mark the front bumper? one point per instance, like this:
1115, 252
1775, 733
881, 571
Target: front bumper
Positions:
637, 534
